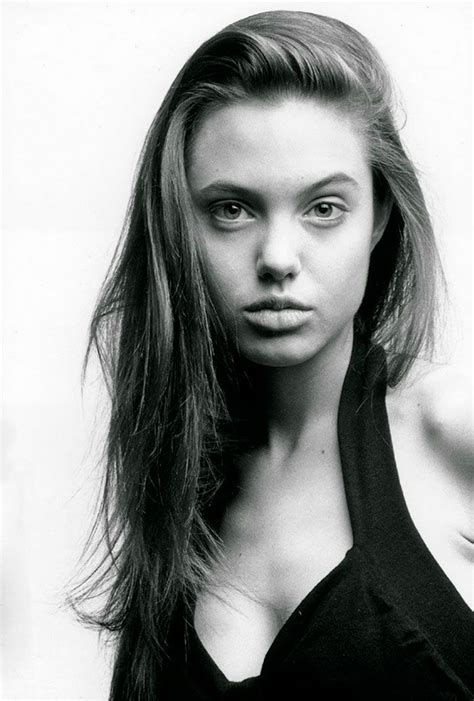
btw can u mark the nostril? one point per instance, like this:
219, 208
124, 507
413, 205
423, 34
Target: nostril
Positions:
271, 275
278, 269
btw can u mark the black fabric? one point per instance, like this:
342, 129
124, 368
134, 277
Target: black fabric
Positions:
386, 623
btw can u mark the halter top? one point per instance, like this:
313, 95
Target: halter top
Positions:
386, 623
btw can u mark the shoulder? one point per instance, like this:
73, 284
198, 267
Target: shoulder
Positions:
430, 415
439, 398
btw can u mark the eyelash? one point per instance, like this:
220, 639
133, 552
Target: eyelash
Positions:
221, 205
332, 206
232, 203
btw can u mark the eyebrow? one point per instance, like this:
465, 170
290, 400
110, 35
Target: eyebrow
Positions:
226, 186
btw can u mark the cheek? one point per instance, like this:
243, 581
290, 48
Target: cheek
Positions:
224, 272
346, 273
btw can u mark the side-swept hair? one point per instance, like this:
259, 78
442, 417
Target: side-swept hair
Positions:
158, 337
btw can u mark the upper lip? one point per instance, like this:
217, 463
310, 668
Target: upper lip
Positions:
276, 303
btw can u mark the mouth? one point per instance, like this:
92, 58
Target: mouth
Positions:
277, 314
277, 304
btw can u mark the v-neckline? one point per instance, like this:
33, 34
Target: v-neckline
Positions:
297, 615
384, 534
298, 611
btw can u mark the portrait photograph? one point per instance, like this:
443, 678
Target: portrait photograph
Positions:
237, 351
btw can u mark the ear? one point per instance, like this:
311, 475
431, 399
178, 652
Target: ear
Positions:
382, 210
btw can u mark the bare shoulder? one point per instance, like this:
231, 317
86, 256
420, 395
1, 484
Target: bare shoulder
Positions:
430, 416
440, 398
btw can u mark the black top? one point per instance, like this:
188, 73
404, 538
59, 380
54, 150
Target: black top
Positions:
386, 623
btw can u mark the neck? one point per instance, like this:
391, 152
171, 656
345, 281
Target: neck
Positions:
299, 399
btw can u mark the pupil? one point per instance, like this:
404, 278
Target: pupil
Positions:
325, 208
233, 210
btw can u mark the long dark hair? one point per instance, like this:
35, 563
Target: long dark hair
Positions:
165, 358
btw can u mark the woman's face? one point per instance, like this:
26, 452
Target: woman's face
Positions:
284, 199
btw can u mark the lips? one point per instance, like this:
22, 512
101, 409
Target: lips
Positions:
277, 314
277, 304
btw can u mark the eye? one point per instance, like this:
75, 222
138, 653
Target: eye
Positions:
325, 211
227, 212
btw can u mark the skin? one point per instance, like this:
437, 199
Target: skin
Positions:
284, 199
284, 202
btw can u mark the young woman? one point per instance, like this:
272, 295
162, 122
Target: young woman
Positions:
273, 528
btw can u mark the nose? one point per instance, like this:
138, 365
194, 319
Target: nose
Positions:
278, 255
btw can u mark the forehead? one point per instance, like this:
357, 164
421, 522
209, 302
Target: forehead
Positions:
276, 143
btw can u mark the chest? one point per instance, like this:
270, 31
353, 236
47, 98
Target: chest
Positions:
287, 535
282, 538
284, 535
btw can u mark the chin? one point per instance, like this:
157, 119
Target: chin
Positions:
278, 354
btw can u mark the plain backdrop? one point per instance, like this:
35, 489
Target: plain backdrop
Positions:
81, 84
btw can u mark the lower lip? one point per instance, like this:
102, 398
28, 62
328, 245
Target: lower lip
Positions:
278, 319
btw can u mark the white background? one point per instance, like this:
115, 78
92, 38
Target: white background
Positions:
81, 84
